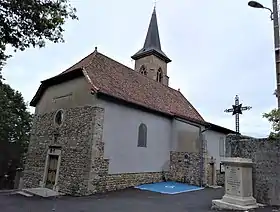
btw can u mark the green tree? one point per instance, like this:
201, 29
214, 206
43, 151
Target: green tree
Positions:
26, 23
15, 126
274, 118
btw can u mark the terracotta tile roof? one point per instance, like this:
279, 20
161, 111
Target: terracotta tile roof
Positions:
115, 79
112, 78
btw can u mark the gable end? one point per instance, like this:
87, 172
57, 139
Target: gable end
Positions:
54, 81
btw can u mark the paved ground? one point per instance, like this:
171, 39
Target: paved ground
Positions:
121, 201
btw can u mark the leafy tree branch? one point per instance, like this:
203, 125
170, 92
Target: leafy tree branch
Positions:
30, 23
274, 118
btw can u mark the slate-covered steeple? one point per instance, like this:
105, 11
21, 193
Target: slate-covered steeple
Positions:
152, 42
151, 60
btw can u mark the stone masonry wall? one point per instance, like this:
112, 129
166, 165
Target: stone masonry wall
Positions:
99, 165
265, 154
187, 169
126, 180
74, 136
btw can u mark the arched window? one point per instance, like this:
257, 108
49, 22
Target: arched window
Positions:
143, 70
142, 135
159, 75
58, 119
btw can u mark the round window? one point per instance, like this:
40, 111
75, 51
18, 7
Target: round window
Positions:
59, 117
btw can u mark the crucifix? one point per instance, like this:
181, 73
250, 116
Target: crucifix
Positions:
155, 3
236, 110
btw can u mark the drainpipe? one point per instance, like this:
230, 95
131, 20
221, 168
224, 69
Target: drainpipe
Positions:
200, 138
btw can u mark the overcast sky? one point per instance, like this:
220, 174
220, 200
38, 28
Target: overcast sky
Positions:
218, 49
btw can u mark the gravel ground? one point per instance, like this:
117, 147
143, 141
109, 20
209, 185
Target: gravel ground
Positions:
129, 200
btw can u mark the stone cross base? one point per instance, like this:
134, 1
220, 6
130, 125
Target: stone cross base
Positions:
220, 204
244, 201
238, 186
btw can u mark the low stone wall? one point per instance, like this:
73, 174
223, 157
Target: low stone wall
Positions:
265, 155
126, 180
181, 170
102, 181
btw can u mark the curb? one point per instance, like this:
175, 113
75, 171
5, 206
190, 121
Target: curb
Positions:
8, 191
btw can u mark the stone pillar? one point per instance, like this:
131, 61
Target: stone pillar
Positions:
99, 166
18, 179
211, 172
238, 186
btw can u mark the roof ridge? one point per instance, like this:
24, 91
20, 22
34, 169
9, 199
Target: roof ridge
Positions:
114, 60
95, 53
93, 56
137, 72
83, 59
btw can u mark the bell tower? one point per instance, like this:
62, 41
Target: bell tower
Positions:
150, 60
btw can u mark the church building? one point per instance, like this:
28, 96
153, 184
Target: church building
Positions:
101, 126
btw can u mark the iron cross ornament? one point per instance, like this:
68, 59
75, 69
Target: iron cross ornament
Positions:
236, 110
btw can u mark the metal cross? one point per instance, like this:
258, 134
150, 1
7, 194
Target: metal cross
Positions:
155, 3
236, 110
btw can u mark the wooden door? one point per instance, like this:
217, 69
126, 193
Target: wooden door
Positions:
52, 169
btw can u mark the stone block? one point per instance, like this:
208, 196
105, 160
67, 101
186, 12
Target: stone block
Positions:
220, 204
238, 185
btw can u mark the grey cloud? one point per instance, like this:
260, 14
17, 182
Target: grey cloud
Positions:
219, 49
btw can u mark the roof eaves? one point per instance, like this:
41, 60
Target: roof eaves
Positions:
36, 97
221, 129
106, 96
143, 53
190, 119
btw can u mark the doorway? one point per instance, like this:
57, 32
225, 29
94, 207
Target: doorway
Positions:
51, 171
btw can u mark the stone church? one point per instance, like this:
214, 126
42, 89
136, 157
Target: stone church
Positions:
101, 126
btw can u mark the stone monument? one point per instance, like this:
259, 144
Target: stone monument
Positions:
238, 185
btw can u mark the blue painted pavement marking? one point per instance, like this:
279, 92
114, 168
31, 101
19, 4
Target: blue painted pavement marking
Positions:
169, 187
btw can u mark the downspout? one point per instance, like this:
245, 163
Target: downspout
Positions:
201, 156
202, 153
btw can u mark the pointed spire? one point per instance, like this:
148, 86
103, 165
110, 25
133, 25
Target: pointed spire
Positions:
152, 38
152, 41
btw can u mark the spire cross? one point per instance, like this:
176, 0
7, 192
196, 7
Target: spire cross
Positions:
236, 110
155, 3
